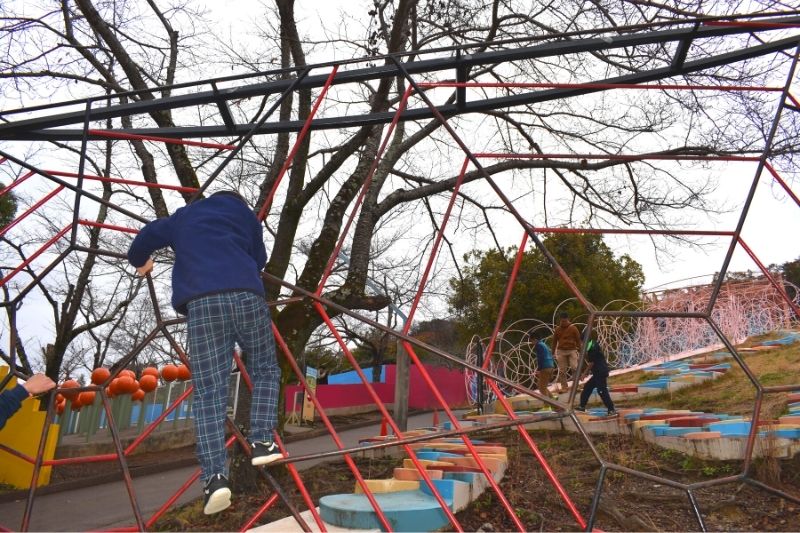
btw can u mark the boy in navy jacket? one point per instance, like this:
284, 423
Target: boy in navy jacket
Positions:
216, 282
598, 366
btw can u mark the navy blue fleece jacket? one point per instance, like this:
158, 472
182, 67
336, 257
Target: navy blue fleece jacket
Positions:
10, 402
218, 247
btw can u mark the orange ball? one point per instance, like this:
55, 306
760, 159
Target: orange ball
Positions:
184, 373
86, 397
60, 398
125, 385
130, 373
150, 371
100, 375
70, 384
76, 404
169, 372
60, 407
148, 383
138, 396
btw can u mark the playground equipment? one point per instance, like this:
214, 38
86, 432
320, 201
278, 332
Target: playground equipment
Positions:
51, 123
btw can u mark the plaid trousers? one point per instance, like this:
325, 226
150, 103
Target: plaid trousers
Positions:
215, 323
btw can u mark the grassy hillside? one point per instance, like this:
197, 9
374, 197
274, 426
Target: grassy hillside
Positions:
734, 392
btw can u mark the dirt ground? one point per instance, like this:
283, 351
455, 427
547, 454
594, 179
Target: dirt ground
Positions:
628, 503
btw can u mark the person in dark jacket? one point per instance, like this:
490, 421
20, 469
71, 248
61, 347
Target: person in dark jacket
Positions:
216, 283
11, 399
597, 365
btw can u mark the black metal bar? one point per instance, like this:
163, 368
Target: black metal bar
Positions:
598, 490
99, 251
123, 462
479, 381
244, 140
532, 419
756, 178
696, 510
72, 187
76, 210
772, 490
264, 472
329, 304
784, 18
550, 49
498, 191
682, 50
37, 278
37, 465
224, 110
462, 74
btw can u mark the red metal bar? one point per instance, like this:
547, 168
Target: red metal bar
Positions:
704, 233
183, 488
16, 453
435, 248
409, 349
618, 157
750, 24
261, 510
262, 213
531, 444
154, 424
38, 252
793, 99
367, 182
553, 85
17, 182
172, 499
93, 224
243, 370
298, 481
782, 183
334, 435
454, 421
106, 179
80, 460
769, 277
506, 297
167, 140
395, 428
31, 209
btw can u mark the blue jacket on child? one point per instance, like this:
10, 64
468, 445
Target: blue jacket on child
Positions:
218, 247
10, 402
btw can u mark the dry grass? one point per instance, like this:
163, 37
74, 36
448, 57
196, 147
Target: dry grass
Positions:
734, 392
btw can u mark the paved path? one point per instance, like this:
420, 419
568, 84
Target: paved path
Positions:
107, 505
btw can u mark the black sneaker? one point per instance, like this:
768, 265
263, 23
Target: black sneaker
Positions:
611, 412
216, 494
581, 409
264, 453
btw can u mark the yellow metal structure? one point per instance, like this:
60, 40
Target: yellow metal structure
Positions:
22, 433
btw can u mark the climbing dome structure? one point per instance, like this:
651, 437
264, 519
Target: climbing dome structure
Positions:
441, 88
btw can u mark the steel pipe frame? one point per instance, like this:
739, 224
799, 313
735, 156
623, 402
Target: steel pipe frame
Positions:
281, 343
101, 393
29, 129
262, 213
292, 470
326, 319
690, 22
578, 294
